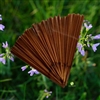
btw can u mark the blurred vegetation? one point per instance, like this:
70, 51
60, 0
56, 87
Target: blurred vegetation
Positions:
84, 80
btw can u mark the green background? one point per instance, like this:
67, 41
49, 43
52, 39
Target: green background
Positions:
18, 15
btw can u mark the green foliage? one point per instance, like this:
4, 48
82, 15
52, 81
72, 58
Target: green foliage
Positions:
84, 80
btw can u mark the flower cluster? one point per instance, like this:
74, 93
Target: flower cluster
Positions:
47, 93
7, 54
87, 40
31, 72
1, 26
